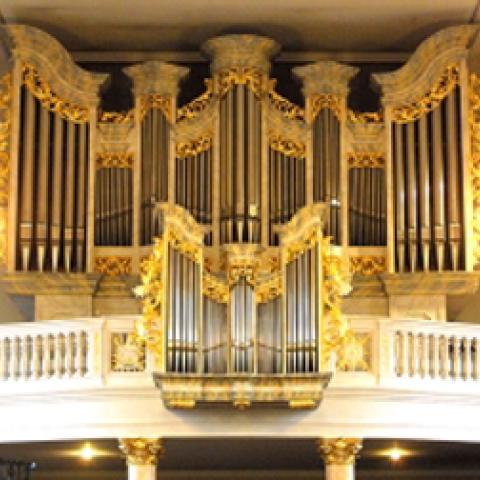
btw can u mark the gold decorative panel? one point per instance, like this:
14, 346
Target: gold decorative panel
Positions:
367, 264
127, 354
113, 265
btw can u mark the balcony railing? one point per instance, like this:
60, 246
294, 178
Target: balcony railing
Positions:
403, 354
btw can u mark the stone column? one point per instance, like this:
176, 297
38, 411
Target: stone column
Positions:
142, 455
339, 456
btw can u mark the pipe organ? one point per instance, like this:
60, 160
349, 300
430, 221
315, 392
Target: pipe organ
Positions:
255, 208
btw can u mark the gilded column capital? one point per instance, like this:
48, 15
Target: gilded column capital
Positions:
339, 451
141, 451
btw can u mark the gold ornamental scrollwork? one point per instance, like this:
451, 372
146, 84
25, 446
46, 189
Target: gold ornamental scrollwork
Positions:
5, 134
193, 147
215, 289
325, 100
368, 264
474, 121
114, 160
339, 451
288, 147
117, 118
49, 100
287, 108
365, 117
197, 105
441, 88
269, 289
113, 265
141, 451
128, 355
253, 78
366, 160
158, 102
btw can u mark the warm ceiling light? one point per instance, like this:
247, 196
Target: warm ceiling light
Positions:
395, 454
87, 452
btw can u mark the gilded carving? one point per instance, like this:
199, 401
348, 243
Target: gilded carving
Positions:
365, 117
197, 105
117, 118
215, 289
113, 265
288, 147
368, 264
411, 111
339, 451
288, 109
114, 160
156, 101
128, 354
326, 100
49, 100
475, 165
5, 132
269, 289
193, 147
366, 160
141, 451
254, 79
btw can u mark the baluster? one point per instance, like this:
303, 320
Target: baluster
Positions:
23, 358
78, 354
69, 366
456, 358
435, 357
467, 359
13, 358
444, 358
405, 372
425, 356
36, 357
46, 357
59, 355
3, 359
90, 367
415, 355
476, 364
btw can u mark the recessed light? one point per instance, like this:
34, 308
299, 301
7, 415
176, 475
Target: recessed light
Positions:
87, 452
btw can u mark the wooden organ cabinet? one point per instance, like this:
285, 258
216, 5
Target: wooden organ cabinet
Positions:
254, 207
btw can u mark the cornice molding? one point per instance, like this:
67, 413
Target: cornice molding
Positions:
325, 77
36, 47
240, 51
155, 77
446, 47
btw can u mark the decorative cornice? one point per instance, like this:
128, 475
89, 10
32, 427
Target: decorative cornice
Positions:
241, 51
446, 47
141, 451
325, 78
113, 265
157, 78
339, 451
53, 63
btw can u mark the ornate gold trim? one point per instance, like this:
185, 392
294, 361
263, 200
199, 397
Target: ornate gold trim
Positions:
114, 160
324, 100
365, 117
269, 289
288, 109
412, 111
5, 133
252, 77
141, 451
128, 355
474, 119
368, 264
193, 147
366, 160
339, 451
197, 105
288, 147
49, 100
156, 101
113, 265
117, 118
215, 289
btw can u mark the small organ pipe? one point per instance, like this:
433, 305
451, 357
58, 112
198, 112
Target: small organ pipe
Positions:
412, 196
81, 196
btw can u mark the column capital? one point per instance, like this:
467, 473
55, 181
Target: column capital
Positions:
339, 451
141, 451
